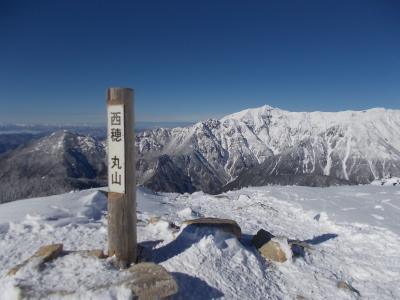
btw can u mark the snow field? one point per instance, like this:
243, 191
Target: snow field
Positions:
348, 243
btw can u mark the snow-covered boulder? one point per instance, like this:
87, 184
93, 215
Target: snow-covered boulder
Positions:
226, 225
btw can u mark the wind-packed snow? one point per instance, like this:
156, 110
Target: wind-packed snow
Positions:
353, 233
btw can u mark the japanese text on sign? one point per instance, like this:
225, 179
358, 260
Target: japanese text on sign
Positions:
116, 149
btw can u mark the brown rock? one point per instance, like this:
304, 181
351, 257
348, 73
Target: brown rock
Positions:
42, 255
343, 285
346, 286
151, 281
15, 269
97, 253
49, 252
272, 250
154, 220
226, 225
147, 281
261, 238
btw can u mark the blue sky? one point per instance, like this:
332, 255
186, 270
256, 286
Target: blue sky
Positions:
190, 60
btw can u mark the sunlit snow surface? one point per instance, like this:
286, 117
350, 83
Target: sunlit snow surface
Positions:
353, 231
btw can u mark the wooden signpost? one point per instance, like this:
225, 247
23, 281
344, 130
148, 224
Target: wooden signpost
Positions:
122, 241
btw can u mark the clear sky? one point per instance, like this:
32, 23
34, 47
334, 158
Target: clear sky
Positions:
190, 60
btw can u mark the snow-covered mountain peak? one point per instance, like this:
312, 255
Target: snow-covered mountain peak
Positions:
60, 141
252, 115
270, 123
354, 146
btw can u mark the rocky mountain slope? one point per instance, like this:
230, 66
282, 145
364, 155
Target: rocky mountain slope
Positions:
57, 163
250, 148
269, 145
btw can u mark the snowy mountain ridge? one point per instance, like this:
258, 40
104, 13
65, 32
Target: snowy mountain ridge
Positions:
60, 162
253, 146
372, 123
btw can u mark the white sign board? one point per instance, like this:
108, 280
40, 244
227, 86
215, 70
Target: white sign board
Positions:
116, 149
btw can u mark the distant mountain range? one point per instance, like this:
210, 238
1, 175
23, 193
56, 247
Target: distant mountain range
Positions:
268, 145
253, 147
57, 163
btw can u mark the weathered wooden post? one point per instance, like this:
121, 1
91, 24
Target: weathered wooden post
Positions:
121, 176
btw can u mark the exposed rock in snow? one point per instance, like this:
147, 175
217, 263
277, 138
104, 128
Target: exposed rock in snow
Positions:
261, 238
229, 226
151, 281
98, 253
44, 254
345, 286
276, 249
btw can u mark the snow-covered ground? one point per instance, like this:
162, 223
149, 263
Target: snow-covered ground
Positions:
387, 181
353, 231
